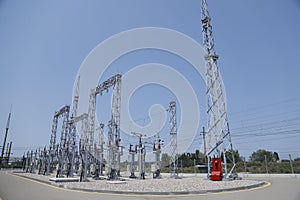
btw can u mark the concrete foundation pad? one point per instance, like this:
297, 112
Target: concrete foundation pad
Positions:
116, 182
64, 179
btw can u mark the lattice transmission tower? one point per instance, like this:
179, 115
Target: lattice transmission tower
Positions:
173, 145
218, 140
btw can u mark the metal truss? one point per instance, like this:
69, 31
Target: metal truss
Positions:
173, 145
114, 126
219, 140
60, 151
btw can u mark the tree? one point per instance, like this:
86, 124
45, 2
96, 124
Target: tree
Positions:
260, 154
275, 156
197, 153
297, 159
186, 160
236, 155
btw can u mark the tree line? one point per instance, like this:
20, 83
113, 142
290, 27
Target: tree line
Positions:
260, 161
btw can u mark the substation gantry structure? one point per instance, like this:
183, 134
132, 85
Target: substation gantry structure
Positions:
218, 142
85, 156
113, 144
64, 154
59, 152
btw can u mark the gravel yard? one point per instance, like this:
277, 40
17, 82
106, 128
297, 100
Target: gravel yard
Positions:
186, 184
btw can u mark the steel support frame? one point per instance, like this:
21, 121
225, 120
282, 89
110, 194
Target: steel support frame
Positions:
157, 152
59, 151
218, 140
173, 144
114, 150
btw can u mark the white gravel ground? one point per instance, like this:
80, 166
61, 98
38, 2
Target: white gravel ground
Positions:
188, 183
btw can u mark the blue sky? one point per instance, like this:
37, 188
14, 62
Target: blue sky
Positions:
43, 43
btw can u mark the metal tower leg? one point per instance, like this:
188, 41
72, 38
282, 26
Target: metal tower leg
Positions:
101, 142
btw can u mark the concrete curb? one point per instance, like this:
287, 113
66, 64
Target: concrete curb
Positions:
171, 193
146, 193
243, 175
30, 178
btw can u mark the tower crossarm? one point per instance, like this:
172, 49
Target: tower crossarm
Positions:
107, 84
78, 118
61, 111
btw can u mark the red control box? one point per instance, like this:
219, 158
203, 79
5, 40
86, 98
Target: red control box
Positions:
216, 173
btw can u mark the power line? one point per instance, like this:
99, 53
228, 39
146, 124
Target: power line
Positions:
264, 107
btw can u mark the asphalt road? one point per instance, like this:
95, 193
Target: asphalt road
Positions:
13, 187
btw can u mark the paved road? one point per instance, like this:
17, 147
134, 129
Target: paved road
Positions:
16, 188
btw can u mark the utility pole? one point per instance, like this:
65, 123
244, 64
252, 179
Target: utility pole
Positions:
291, 163
245, 165
5, 137
204, 145
195, 167
266, 164
8, 153
181, 168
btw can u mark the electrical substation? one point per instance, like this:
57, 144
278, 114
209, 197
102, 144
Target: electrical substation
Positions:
86, 150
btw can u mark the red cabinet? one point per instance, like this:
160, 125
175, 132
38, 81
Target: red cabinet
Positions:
216, 173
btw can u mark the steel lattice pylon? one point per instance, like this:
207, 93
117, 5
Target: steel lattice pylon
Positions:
173, 145
218, 134
116, 112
